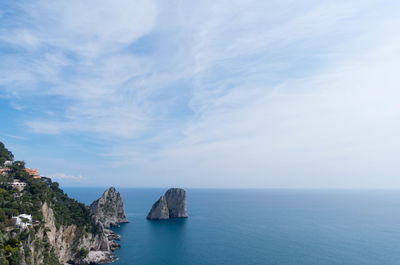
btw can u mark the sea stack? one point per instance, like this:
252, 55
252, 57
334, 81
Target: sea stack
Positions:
109, 209
171, 205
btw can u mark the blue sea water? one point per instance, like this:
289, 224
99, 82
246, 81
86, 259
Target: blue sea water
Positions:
288, 227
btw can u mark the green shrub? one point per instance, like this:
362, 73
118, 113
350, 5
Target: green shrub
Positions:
5, 155
82, 253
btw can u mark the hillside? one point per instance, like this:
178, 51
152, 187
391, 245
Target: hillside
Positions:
60, 230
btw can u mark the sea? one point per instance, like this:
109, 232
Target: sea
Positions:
271, 226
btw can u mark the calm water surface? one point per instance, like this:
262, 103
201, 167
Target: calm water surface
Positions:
261, 227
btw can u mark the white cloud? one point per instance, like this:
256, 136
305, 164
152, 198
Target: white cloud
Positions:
333, 127
87, 39
249, 93
62, 176
89, 27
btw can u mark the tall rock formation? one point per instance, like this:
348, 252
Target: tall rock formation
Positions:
176, 201
63, 230
159, 210
109, 209
171, 205
67, 241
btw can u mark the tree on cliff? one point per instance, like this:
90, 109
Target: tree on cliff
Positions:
5, 155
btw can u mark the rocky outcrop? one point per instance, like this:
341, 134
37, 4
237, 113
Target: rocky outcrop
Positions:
109, 209
159, 210
171, 205
62, 230
176, 201
68, 241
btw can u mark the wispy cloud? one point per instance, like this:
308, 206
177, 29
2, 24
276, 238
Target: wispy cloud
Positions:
247, 91
18, 137
62, 176
77, 51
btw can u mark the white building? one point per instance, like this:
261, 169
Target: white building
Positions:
23, 220
19, 185
5, 171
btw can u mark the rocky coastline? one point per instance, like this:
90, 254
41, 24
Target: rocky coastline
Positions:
40, 224
100, 246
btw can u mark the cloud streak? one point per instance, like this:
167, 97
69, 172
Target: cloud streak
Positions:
275, 93
62, 176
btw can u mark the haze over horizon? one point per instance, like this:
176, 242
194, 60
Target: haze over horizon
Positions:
226, 94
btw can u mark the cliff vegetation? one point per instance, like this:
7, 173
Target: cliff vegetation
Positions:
42, 240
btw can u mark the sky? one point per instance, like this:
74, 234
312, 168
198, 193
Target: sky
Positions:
203, 94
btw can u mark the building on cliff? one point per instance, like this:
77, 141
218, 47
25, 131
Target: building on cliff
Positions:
22, 221
5, 171
33, 173
18, 185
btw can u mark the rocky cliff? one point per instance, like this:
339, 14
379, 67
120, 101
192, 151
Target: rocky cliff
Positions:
59, 230
74, 246
159, 210
109, 209
171, 205
52, 241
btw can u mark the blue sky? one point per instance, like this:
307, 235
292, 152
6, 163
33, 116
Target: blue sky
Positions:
235, 94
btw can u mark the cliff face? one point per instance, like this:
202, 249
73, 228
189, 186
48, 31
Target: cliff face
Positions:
176, 201
159, 210
59, 230
51, 243
171, 205
109, 209
72, 245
